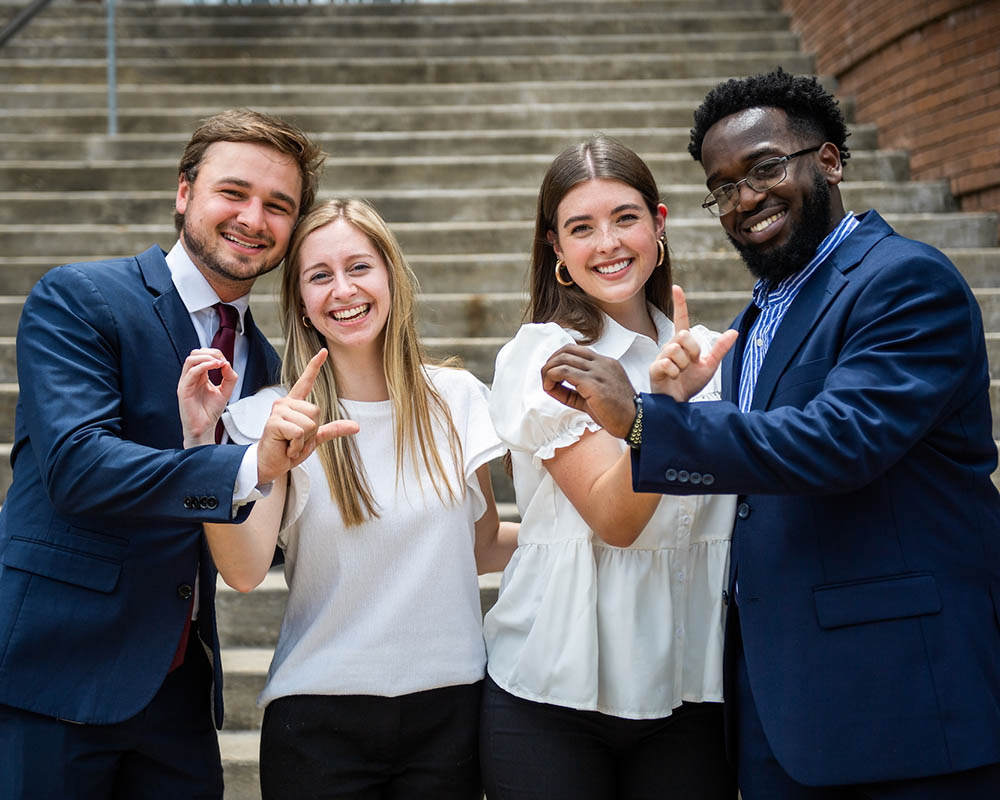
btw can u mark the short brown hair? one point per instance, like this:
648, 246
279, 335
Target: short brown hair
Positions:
598, 157
254, 127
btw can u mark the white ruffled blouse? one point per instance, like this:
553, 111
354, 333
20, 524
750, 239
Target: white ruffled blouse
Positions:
626, 631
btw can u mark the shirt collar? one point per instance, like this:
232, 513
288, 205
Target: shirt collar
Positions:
194, 290
616, 339
764, 294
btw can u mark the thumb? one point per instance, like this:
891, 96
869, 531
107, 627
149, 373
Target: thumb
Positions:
336, 429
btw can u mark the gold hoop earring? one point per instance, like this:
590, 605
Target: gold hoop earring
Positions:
559, 265
663, 251
305, 322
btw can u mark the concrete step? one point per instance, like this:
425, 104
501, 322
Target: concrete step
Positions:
507, 141
524, 21
543, 67
393, 173
75, 95
433, 204
447, 45
240, 750
64, 243
389, 11
650, 112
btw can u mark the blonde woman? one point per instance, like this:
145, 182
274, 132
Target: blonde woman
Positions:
375, 683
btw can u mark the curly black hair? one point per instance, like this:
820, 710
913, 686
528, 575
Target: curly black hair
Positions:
811, 109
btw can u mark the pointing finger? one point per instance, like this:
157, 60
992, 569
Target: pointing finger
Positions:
303, 386
680, 310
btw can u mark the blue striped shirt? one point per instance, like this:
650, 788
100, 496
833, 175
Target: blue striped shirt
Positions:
773, 304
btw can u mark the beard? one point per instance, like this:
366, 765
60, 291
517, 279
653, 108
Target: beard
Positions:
201, 253
776, 264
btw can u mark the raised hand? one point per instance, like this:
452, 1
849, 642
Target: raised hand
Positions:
293, 431
199, 401
600, 387
680, 370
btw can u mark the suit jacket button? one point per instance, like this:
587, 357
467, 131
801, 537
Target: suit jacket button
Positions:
670, 474
184, 591
707, 479
683, 476
211, 503
743, 511
695, 477
725, 597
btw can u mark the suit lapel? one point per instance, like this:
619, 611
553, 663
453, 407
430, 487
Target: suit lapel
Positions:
259, 369
812, 301
806, 310
167, 302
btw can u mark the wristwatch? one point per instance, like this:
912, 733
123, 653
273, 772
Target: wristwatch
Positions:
634, 437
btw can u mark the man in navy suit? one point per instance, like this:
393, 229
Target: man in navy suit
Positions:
110, 677
863, 626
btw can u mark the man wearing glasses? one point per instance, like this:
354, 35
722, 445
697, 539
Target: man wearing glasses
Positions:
863, 605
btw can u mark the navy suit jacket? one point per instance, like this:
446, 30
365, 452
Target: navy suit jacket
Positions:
867, 538
100, 534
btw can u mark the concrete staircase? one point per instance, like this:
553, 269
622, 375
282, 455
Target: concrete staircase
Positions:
445, 116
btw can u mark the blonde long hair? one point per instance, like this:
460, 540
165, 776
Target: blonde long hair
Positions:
414, 411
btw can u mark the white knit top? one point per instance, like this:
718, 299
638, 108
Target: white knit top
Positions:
391, 606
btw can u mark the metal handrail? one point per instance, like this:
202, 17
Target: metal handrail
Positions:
26, 14
21, 18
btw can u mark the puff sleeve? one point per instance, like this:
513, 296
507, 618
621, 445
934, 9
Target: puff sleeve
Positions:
525, 417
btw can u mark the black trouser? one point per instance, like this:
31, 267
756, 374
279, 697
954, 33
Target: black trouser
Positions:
421, 745
168, 750
538, 751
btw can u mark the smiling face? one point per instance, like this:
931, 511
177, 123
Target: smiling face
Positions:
239, 213
344, 285
776, 231
607, 236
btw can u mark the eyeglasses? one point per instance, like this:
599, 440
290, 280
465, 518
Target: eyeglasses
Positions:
762, 176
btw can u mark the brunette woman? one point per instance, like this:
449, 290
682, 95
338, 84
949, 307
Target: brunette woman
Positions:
605, 647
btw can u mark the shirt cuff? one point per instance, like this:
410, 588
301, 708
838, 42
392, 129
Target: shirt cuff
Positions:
247, 490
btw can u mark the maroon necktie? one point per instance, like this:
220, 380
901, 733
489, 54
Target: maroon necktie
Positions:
224, 339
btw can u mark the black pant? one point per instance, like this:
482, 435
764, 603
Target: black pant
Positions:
168, 750
536, 751
421, 745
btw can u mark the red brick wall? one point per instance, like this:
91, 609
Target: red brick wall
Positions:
927, 73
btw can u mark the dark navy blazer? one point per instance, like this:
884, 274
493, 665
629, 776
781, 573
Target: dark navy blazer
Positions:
867, 538
100, 534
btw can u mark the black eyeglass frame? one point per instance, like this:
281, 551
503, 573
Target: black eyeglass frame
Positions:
712, 200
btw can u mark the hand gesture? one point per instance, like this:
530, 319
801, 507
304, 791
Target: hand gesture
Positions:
599, 384
200, 401
680, 370
293, 431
